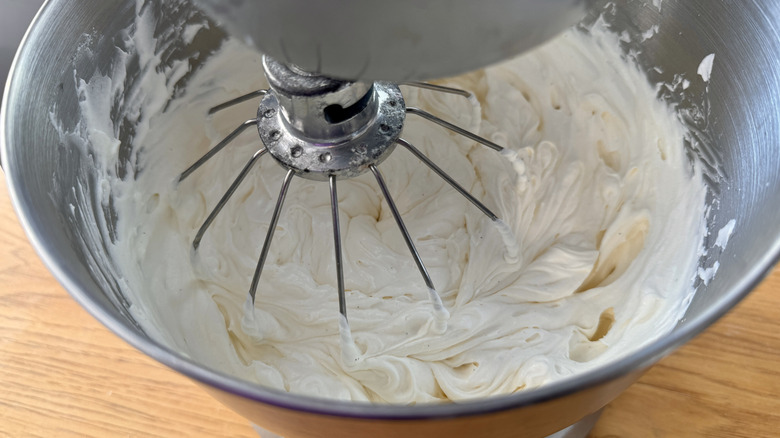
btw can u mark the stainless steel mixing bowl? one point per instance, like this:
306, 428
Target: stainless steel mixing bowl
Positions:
735, 121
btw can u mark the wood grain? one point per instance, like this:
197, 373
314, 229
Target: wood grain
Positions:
63, 375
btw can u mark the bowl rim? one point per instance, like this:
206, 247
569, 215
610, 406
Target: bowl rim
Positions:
639, 360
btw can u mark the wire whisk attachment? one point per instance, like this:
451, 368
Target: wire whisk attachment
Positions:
330, 130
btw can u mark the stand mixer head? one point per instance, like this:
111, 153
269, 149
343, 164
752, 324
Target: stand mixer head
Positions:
397, 41
326, 129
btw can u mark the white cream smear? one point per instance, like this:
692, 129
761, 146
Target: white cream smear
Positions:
606, 210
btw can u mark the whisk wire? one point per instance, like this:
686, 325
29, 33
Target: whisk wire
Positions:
334, 206
440, 88
213, 151
402, 227
236, 101
222, 201
446, 177
270, 234
468, 134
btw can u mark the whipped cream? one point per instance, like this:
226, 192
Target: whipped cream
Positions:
603, 219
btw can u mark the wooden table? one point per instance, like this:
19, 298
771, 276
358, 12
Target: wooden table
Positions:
62, 374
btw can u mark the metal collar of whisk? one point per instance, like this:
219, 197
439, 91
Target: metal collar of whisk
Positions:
320, 127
